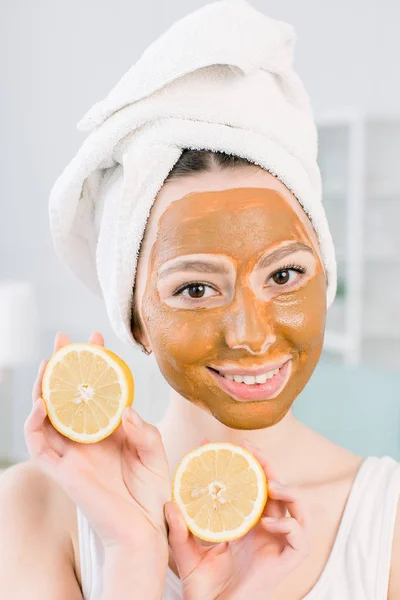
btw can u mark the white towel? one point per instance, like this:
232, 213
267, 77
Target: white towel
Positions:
221, 79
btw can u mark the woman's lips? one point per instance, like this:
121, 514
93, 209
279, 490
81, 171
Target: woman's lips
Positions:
258, 391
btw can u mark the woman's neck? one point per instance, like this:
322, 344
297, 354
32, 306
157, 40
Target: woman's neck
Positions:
185, 425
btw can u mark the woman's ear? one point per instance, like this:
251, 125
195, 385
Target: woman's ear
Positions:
138, 331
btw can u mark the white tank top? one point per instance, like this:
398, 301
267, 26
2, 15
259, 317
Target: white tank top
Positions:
359, 563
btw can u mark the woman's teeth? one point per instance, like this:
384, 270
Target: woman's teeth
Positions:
250, 379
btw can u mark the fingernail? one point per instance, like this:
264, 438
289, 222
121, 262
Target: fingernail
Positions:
276, 484
133, 416
270, 519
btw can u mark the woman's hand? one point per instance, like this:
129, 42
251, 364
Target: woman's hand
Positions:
250, 566
120, 483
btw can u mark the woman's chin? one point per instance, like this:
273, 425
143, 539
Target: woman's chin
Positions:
250, 418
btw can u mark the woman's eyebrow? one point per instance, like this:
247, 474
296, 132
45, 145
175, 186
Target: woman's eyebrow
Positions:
202, 266
194, 265
281, 253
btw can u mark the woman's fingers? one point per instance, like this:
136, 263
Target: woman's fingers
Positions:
61, 339
291, 529
146, 441
96, 338
297, 546
269, 470
187, 551
281, 498
185, 548
34, 422
37, 386
293, 526
36, 441
289, 497
273, 507
179, 534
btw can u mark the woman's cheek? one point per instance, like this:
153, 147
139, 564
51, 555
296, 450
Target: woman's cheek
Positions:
186, 336
301, 315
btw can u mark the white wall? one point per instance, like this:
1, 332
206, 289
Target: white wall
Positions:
58, 58
347, 51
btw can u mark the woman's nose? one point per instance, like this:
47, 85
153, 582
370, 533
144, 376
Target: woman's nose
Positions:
250, 324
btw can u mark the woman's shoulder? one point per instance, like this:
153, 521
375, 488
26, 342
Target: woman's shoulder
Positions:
26, 485
41, 494
41, 503
378, 502
367, 490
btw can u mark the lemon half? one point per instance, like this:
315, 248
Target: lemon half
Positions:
221, 489
85, 388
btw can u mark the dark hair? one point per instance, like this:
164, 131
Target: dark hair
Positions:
196, 161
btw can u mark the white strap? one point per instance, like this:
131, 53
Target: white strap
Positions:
388, 515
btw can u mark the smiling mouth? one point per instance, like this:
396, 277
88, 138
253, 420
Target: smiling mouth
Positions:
245, 388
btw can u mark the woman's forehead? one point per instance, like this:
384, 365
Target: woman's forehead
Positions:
181, 189
240, 222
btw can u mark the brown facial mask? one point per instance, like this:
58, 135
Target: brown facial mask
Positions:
234, 280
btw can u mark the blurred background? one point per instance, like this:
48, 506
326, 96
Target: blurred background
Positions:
59, 58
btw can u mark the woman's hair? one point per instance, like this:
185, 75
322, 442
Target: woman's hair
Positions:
191, 162
197, 161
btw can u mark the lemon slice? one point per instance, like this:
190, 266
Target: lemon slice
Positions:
221, 489
85, 388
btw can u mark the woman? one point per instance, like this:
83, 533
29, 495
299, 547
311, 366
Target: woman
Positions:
231, 280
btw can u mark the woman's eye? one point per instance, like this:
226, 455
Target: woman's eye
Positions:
286, 276
195, 291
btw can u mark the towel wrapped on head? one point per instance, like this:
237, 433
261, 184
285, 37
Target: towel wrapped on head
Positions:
220, 79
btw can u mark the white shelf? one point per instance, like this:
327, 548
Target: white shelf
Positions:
359, 159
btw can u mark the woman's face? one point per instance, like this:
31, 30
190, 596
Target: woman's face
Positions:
230, 284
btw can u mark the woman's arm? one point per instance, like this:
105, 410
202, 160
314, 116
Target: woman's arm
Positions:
34, 560
124, 580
